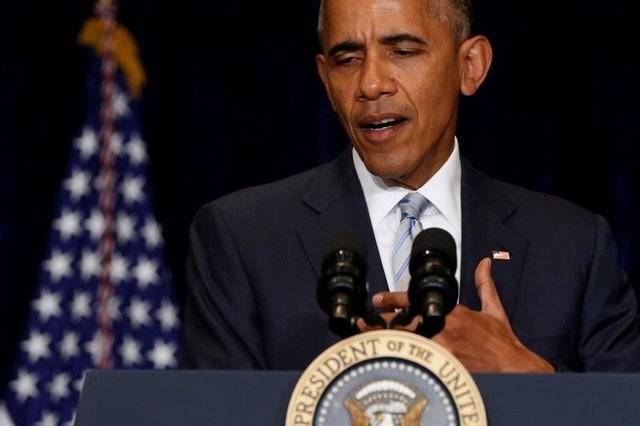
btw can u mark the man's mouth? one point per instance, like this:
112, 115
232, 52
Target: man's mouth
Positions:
385, 123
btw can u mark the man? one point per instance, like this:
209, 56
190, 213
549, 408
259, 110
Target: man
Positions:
553, 298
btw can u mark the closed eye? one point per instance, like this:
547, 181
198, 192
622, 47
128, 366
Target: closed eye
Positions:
343, 60
405, 52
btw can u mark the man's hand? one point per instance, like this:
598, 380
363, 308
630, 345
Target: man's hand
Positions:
483, 341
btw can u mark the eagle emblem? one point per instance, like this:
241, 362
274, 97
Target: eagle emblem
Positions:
385, 402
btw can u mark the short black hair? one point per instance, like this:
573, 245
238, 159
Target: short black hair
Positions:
459, 13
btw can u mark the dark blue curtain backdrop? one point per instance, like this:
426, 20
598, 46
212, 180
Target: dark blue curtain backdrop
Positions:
233, 100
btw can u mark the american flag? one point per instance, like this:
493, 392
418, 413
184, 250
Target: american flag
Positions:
500, 255
104, 297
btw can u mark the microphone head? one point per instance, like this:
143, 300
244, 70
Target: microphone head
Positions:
345, 245
433, 289
433, 242
345, 240
342, 287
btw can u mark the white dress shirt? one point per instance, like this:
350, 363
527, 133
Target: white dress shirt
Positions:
442, 190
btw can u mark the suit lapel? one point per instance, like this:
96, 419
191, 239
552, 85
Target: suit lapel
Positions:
486, 227
337, 203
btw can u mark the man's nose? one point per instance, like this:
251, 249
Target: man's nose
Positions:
376, 79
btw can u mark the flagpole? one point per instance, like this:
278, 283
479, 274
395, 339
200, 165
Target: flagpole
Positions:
106, 11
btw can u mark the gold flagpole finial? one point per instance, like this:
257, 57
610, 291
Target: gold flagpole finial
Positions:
124, 48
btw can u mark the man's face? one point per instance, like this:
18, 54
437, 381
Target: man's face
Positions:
392, 73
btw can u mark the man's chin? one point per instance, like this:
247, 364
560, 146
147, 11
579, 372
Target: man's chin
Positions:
389, 166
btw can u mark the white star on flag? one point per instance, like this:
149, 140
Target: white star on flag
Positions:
58, 266
47, 305
87, 143
77, 184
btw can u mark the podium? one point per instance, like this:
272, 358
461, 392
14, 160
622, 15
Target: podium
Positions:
243, 398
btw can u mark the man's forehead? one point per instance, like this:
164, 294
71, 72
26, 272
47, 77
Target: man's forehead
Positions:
375, 20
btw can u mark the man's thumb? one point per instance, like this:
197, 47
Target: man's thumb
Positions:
489, 297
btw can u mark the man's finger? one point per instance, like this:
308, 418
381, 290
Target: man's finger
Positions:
390, 300
489, 297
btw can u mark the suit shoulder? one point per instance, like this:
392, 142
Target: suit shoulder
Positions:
541, 214
257, 198
545, 203
530, 207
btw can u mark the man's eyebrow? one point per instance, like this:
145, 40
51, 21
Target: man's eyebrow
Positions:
350, 46
345, 46
402, 38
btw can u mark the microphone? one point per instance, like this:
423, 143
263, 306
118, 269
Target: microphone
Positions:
433, 288
342, 288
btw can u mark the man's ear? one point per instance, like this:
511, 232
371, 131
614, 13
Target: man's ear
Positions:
322, 72
476, 55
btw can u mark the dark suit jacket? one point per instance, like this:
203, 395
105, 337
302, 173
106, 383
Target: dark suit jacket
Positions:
254, 263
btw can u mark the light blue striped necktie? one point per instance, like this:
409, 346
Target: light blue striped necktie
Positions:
411, 207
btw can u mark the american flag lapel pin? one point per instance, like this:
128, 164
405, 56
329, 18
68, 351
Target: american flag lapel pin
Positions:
500, 255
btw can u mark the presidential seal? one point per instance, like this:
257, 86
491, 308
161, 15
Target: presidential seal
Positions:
386, 377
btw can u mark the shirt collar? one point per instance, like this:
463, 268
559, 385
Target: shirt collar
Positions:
442, 190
